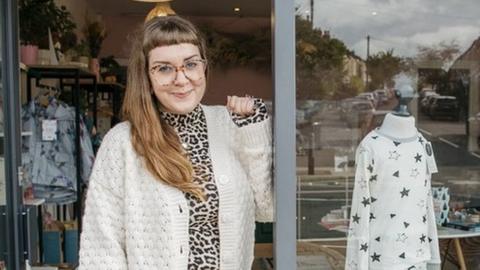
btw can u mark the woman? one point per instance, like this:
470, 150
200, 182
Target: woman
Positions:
178, 185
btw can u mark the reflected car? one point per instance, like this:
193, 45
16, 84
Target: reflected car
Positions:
426, 102
356, 112
382, 96
369, 96
444, 106
427, 92
310, 107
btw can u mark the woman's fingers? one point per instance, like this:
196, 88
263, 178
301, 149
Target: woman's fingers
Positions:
240, 105
228, 102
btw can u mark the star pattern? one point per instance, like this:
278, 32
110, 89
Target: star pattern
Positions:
362, 183
356, 219
365, 202
393, 155
352, 265
418, 158
351, 232
421, 203
370, 168
402, 237
404, 192
400, 165
375, 257
415, 173
423, 238
420, 252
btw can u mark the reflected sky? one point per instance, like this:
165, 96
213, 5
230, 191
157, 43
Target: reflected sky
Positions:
399, 24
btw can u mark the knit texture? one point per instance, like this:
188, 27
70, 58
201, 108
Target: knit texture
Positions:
134, 221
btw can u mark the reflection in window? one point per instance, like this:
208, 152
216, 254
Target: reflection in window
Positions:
350, 58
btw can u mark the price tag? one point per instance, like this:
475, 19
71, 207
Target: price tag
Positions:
49, 130
431, 164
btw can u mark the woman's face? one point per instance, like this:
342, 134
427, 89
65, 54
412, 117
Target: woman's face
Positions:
177, 75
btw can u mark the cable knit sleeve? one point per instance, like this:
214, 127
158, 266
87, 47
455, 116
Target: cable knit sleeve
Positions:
103, 237
253, 145
259, 115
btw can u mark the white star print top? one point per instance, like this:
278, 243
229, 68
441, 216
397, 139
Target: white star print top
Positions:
392, 222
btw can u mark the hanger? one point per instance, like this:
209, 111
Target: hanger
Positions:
46, 93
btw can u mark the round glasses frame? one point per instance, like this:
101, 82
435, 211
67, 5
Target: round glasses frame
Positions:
171, 72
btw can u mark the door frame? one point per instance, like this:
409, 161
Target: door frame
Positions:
284, 229
12, 141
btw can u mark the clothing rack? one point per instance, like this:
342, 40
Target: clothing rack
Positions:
62, 73
116, 90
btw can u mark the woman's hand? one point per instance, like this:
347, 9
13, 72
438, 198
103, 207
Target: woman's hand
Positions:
243, 106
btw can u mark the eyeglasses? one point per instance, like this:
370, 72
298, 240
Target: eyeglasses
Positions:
165, 74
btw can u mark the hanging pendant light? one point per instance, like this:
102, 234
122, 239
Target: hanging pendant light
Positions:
162, 8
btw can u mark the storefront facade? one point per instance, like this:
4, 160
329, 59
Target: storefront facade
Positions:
334, 69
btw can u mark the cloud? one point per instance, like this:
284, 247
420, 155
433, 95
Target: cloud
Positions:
398, 24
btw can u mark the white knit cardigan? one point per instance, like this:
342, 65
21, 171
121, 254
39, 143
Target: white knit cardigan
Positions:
134, 221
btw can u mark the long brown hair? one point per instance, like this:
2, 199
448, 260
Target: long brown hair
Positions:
152, 138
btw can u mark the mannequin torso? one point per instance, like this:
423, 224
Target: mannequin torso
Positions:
392, 210
400, 127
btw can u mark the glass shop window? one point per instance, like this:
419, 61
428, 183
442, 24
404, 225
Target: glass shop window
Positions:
352, 57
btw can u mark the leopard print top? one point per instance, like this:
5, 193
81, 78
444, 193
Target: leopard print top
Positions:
204, 239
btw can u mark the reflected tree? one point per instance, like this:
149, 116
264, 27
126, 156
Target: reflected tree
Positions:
441, 56
446, 52
319, 63
382, 67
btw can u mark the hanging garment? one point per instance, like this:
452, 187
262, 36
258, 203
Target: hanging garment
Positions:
392, 224
49, 160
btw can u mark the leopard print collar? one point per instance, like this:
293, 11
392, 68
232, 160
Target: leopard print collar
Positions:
182, 120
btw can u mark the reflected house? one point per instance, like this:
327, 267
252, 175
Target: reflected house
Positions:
470, 61
354, 67
465, 69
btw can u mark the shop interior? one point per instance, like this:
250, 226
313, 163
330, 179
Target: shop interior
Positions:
73, 62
